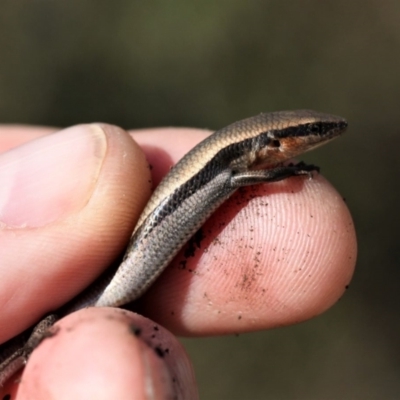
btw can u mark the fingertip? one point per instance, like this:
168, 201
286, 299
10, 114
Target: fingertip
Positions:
109, 353
272, 255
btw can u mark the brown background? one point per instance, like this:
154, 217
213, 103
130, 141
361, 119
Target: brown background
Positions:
208, 63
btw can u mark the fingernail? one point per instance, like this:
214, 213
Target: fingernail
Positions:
51, 177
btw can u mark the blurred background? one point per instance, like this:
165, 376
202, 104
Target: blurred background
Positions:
206, 64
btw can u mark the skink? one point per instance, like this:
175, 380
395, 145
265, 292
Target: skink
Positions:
247, 152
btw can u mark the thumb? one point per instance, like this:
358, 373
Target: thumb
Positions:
68, 203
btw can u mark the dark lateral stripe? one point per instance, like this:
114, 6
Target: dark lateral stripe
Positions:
224, 158
314, 128
211, 169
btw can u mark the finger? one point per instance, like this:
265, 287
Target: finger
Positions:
108, 354
68, 204
17, 135
164, 147
272, 255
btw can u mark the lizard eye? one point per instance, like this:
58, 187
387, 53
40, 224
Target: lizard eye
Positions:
275, 143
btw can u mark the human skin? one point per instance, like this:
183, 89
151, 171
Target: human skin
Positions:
272, 255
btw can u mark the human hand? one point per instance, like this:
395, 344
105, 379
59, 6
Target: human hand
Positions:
276, 254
